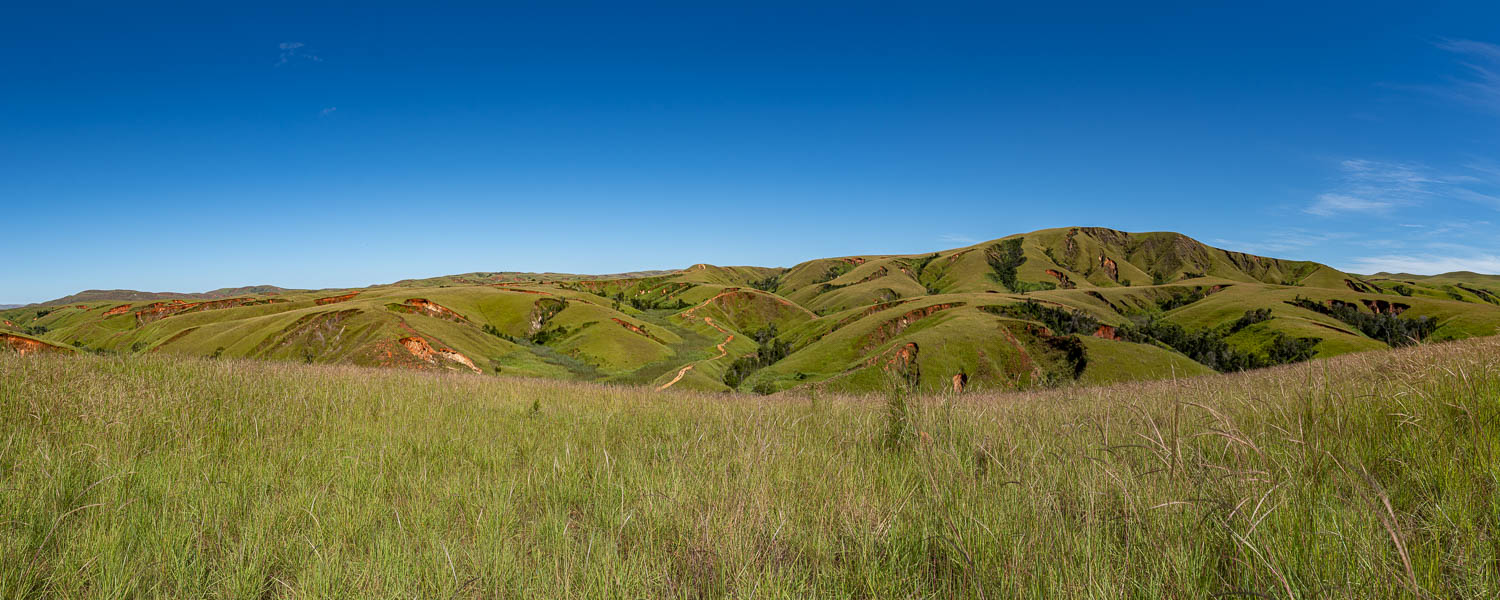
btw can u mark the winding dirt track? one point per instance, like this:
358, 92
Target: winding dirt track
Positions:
722, 352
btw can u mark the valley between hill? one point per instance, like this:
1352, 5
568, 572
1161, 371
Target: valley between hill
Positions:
1046, 308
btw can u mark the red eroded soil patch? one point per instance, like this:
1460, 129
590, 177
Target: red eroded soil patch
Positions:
637, 330
1383, 307
335, 299
429, 308
1107, 332
157, 310
229, 303
894, 327
899, 358
161, 310
118, 310
25, 346
1110, 268
1062, 279
419, 348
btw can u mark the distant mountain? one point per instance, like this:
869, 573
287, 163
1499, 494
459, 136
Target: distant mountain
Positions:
138, 296
519, 276
1050, 307
1453, 278
6, 306
271, 290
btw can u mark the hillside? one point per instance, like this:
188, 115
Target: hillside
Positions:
1050, 307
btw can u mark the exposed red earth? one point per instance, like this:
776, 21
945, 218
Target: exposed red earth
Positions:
419, 348
429, 308
161, 310
894, 327
1110, 268
335, 299
1107, 332
24, 345
636, 329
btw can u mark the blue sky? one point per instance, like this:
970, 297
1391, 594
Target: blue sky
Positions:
189, 147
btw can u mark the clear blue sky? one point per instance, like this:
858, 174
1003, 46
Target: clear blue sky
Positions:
192, 147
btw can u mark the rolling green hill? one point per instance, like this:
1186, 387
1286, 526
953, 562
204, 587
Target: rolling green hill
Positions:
1046, 308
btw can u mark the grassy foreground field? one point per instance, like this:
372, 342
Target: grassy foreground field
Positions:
1364, 476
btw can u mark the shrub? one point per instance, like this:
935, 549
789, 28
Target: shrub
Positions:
770, 351
1004, 258
1211, 346
1482, 293
1060, 321
768, 284
1253, 316
1394, 330
1181, 298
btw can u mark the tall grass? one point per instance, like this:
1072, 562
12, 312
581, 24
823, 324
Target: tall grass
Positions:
1365, 476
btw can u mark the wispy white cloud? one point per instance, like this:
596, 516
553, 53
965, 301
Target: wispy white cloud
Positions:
1426, 264
327, 111
1469, 195
1481, 86
955, 238
293, 51
1288, 241
1372, 187
1330, 204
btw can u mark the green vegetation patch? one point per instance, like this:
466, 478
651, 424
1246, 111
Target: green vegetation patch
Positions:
1366, 476
1004, 258
1392, 329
